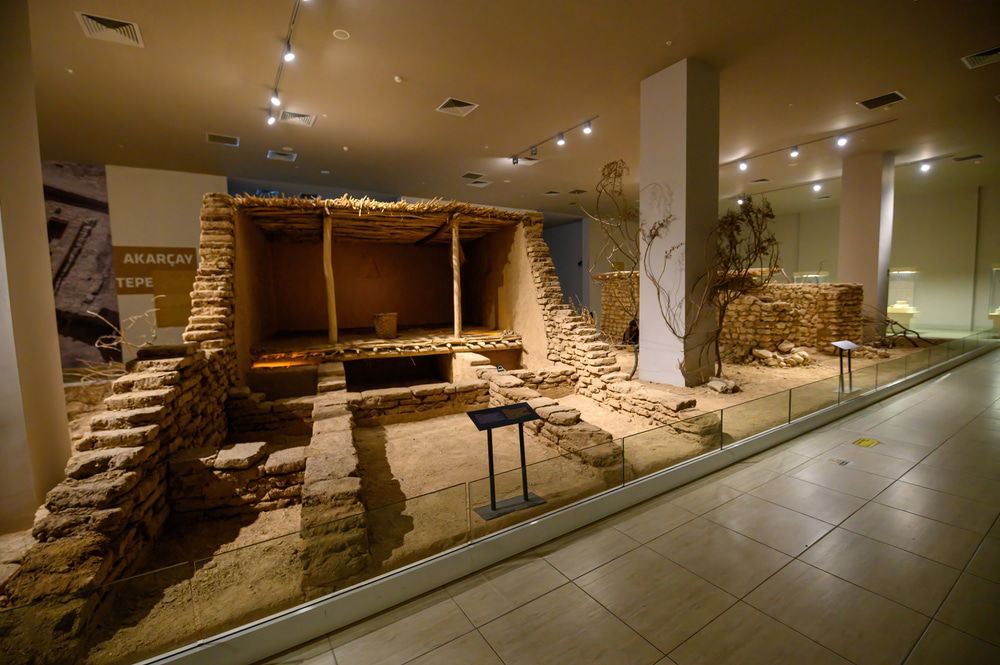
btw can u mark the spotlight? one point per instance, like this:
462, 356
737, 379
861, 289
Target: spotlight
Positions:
275, 99
534, 151
739, 202
271, 120
744, 166
560, 140
841, 141
514, 160
586, 127
289, 53
794, 153
925, 167
817, 187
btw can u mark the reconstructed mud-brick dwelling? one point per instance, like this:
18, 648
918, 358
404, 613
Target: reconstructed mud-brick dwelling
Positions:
259, 409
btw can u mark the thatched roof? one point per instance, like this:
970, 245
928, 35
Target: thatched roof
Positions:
368, 220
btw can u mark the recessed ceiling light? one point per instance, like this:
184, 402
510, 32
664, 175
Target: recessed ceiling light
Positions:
794, 152
669, 42
817, 187
739, 202
341, 34
925, 167
325, 171
287, 148
397, 78
743, 166
506, 180
841, 141
346, 148
587, 128
70, 71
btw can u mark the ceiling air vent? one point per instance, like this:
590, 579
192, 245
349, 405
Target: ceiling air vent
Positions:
761, 180
552, 192
222, 139
966, 158
453, 106
110, 29
291, 117
983, 58
480, 183
280, 156
881, 100
577, 191
469, 175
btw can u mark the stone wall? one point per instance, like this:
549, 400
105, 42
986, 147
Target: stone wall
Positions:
804, 314
392, 405
253, 412
619, 295
560, 427
573, 340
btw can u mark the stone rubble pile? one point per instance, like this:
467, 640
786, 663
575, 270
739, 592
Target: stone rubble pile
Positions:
787, 355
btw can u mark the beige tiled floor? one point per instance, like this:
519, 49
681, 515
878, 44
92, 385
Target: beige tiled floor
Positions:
815, 552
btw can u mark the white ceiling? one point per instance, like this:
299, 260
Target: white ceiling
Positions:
790, 72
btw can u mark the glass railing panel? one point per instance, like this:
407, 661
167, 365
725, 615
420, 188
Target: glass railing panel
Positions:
860, 381
145, 615
937, 354
817, 395
744, 420
891, 370
663, 447
917, 361
421, 526
559, 481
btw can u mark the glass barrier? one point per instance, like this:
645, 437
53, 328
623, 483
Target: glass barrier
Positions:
558, 480
917, 361
741, 421
668, 445
937, 354
891, 370
817, 395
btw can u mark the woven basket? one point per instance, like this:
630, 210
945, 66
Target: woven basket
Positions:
385, 325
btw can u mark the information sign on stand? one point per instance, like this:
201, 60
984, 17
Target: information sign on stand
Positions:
846, 345
503, 416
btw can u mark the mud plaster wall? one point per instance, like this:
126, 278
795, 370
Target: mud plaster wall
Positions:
505, 282
255, 309
369, 278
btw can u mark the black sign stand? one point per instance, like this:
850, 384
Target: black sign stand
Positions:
846, 345
501, 416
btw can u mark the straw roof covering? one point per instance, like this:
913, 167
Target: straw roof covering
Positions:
368, 220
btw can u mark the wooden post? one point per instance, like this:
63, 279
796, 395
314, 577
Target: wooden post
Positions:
331, 299
456, 275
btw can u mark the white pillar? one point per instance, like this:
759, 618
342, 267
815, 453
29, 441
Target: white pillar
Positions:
678, 174
866, 200
34, 439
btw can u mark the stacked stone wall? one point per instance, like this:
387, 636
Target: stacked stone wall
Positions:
408, 403
559, 427
619, 295
252, 412
572, 339
813, 315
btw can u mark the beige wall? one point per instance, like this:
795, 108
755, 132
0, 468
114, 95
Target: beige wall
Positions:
499, 291
34, 440
988, 252
155, 208
935, 233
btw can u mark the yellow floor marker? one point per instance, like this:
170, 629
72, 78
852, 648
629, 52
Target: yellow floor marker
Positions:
866, 443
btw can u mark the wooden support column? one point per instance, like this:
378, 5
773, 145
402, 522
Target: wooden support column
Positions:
331, 298
456, 275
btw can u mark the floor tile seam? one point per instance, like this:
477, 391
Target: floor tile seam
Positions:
741, 493
699, 576
865, 499
913, 482
797, 632
514, 609
739, 533
795, 510
921, 614
443, 644
995, 511
963, 571
933, 519
856, 533
614, 558
490, 645
623, 621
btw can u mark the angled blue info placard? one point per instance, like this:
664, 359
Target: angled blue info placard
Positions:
490, 419
846, 345
501, 416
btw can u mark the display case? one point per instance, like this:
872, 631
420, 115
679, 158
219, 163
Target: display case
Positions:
814, 277
903, 295
994, 312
